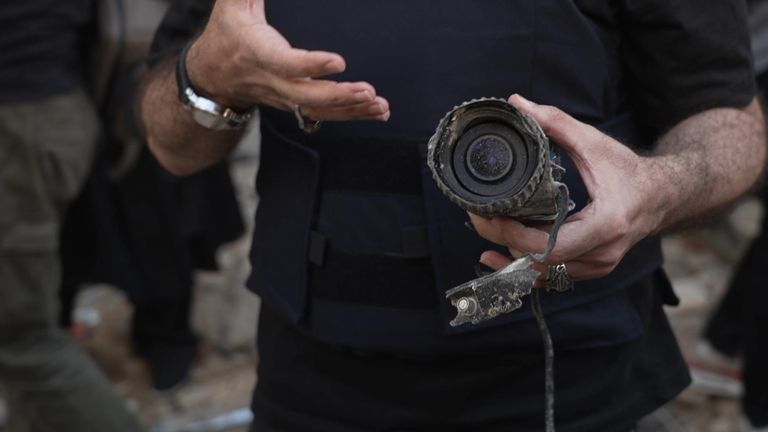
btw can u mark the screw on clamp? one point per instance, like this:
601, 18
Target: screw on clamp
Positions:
466, 306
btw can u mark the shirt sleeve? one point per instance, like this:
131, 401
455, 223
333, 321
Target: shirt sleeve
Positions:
183, 20
682, 57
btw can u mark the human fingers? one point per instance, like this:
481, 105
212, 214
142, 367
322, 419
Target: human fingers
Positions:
494, 260
570, 133
267, 49
377, 109
591, 243
300, 63
237, 39
581, 271
601, 233
239, 52
497, 261
576, 237
584, 252
597, 243
576, 271
510, 233
323, 93
597, 156
583, 143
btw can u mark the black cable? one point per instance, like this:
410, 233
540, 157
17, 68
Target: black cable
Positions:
562, 204
546, 337
549, 362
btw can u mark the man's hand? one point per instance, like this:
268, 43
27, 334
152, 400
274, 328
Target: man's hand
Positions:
240, 60
700, 166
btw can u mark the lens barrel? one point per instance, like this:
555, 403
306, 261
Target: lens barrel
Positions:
488, 157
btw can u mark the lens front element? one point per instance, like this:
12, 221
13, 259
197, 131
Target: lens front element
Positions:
489, 158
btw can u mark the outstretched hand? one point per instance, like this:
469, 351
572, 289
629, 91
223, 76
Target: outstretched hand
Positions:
592, 241
240, 60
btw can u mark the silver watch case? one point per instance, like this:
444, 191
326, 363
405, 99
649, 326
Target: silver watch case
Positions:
211, 115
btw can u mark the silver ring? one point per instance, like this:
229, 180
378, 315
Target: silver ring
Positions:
558, 279
305, 123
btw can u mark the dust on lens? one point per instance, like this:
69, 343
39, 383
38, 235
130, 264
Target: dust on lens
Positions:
489, 158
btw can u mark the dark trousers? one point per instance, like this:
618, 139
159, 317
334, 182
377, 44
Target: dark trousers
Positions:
739, 326
307, 386
51, 385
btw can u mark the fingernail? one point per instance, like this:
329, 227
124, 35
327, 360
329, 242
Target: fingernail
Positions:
525, 101
363, 96
377, 109
335, 65
470, 226
482, 270
484, 261
384, 117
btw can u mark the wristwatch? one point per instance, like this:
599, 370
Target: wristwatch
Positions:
206, 112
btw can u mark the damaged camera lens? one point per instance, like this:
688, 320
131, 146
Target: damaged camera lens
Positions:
492, 159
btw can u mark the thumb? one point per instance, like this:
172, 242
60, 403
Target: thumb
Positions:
573, 136
275, 54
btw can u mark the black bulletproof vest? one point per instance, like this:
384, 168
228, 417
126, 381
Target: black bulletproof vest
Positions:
354, 243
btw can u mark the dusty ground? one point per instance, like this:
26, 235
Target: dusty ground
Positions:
700, 263
218, 392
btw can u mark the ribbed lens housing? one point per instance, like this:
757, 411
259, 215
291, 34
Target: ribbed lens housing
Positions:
488, 157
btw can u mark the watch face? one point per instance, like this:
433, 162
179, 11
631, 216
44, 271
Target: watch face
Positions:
208, 120
211, 115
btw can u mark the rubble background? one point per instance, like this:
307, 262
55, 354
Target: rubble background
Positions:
217, 394
699, 263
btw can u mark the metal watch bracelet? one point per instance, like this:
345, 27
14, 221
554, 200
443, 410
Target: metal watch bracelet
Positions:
207, 112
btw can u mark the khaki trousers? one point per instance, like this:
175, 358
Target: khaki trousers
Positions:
46, 149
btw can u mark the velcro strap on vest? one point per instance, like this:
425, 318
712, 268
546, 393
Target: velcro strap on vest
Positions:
415, 245
370, 246
374, 280
414, 241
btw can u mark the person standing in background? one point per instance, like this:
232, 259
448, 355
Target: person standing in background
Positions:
738, 328
48, 133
